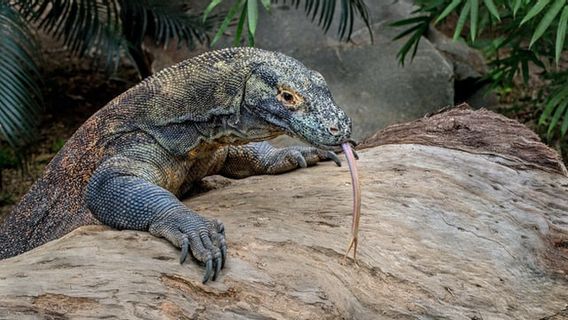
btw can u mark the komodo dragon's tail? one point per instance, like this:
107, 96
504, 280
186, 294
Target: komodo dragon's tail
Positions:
44, 214
54, 206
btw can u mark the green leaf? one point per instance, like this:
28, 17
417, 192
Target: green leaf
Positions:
407, 32
252, 8
210, 8
474, 19
449, 9
525, 71
412, 20
558, 112
538, 7
492, 9
250, 39
561, 34
552, 102
240, 26
20, 95
461, 21
232, 11
266, 5
547, 20
516, 7
412, 43
564, 126
323, 12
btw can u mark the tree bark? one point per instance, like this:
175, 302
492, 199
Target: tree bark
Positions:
464, 216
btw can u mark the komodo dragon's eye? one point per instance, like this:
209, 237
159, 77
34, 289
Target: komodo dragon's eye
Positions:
289, 98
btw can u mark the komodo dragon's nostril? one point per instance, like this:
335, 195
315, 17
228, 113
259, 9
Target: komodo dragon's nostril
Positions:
333, 130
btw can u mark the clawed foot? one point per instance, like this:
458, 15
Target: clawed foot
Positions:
286, 159
204, 238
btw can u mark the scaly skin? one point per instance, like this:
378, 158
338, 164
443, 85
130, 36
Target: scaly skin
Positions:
129, 163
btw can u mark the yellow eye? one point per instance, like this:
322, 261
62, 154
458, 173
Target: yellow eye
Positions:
289, 98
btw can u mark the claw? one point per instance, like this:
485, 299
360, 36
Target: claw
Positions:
220, 228
301, 161
332, 156
355, 154
218, 264
208, 270
184, 250
223, 255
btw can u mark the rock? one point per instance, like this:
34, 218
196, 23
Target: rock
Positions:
469, 70
468, 63
446, 233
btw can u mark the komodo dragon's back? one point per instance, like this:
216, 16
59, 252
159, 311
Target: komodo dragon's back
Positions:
55, 205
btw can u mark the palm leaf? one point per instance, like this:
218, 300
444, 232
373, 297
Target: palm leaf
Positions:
20, 97
105, 28
462, 19
547, 20
560, 109
538, 7
474, 18
84, 26
418, 27
238, 5
492, 9
449, 9
164, 20
323, 12
561, 34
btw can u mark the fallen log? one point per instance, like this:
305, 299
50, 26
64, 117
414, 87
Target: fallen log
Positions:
468, 231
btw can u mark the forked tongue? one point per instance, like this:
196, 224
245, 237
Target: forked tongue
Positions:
356, 199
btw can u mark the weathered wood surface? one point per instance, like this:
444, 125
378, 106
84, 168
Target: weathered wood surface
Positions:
445, 234
480, 131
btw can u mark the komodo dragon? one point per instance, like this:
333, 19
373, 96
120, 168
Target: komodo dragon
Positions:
127, 165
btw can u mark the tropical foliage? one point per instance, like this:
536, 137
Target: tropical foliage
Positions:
516, 35
320, 11
102, 29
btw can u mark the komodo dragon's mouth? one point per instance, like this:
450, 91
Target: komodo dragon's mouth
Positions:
334, 147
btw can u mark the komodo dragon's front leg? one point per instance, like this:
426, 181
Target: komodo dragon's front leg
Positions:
136, 189
263, 158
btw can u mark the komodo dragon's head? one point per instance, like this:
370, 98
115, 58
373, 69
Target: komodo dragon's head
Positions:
295, 99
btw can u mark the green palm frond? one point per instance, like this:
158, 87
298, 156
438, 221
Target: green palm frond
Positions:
163, 20
103, 28
84, 26
20, 96
478, 14
322, 12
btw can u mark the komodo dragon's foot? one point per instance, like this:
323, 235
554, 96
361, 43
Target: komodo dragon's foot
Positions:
189, 231
285, 159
